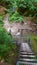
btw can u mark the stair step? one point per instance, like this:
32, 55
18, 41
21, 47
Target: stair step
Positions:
25, 53
28, 60
27, 56
27, 63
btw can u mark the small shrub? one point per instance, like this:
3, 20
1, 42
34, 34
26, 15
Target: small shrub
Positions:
16, 17
6, 44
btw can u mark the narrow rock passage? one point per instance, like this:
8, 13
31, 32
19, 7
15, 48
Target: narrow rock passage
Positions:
26, 56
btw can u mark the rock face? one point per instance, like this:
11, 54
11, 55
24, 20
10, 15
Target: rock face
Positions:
15, 28
6, 23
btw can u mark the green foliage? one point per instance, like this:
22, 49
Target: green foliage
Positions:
6, 44
16, 17
1, 18
4, 38
33, 38
1, 22
25, 7
4, 3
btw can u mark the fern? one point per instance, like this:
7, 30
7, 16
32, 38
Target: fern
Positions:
16, 17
